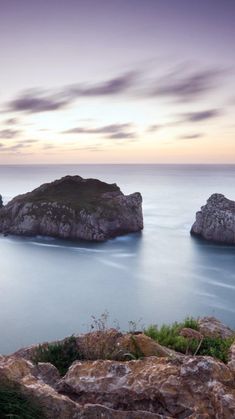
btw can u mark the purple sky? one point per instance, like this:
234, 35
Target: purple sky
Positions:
117, 81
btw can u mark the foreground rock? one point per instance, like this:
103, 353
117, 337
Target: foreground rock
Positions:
186, 387
216, 220
73, 208
108, 383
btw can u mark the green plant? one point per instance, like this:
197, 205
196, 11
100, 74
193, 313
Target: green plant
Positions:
169, 336
60, 354
15, 405
216, 347
191, 323
137, 354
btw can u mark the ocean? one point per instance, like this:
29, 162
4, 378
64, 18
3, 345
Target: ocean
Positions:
51, 288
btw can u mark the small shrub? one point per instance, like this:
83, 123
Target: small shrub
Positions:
191, 323
100, 323
169, 336
15, 405
60, 354
216, 347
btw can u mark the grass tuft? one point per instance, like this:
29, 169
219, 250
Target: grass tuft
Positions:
15, 405
169, 336
60, 354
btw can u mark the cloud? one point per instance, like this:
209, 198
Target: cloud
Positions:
191, 136
201, 115
154, 128
7, 134
122, 135
112, 86
113, 131
106, 129
17, 146
11, 121
35, 101
186, 87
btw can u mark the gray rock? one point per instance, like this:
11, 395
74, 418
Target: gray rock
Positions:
216, 220
73, 208
214, 328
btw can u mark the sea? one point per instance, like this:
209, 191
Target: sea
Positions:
52, 288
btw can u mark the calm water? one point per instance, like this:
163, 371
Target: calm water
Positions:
50, 288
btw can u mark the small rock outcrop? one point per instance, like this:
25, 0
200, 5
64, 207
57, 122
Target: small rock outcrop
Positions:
216, 220
73, 208
211, 327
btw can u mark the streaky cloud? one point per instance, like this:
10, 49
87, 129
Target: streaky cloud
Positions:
183, 87
106, 129
35, 101
202, 115
113, 86
191, 136
7, 134
113, 131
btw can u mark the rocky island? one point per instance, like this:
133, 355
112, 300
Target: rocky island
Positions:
73, 208
216, 220
112, 375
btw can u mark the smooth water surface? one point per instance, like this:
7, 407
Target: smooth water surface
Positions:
50, 288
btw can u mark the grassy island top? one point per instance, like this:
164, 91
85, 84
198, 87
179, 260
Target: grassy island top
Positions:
69, 190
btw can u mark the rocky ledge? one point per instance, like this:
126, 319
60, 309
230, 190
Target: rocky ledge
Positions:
216, 220
161, 384
73, 208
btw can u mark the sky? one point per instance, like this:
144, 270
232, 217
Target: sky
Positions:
117, 81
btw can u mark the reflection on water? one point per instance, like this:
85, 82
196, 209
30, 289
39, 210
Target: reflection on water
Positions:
50, 288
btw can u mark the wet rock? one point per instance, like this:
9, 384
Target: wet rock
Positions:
73, 208
216, 220
214, 328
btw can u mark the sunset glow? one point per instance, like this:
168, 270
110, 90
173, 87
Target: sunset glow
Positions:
117, 82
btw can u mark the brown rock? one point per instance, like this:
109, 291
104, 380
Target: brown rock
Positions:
214, 328
141, 345
189, 333
231, 362
196, 387
96, 411
47, 372
21, 372
99, 344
